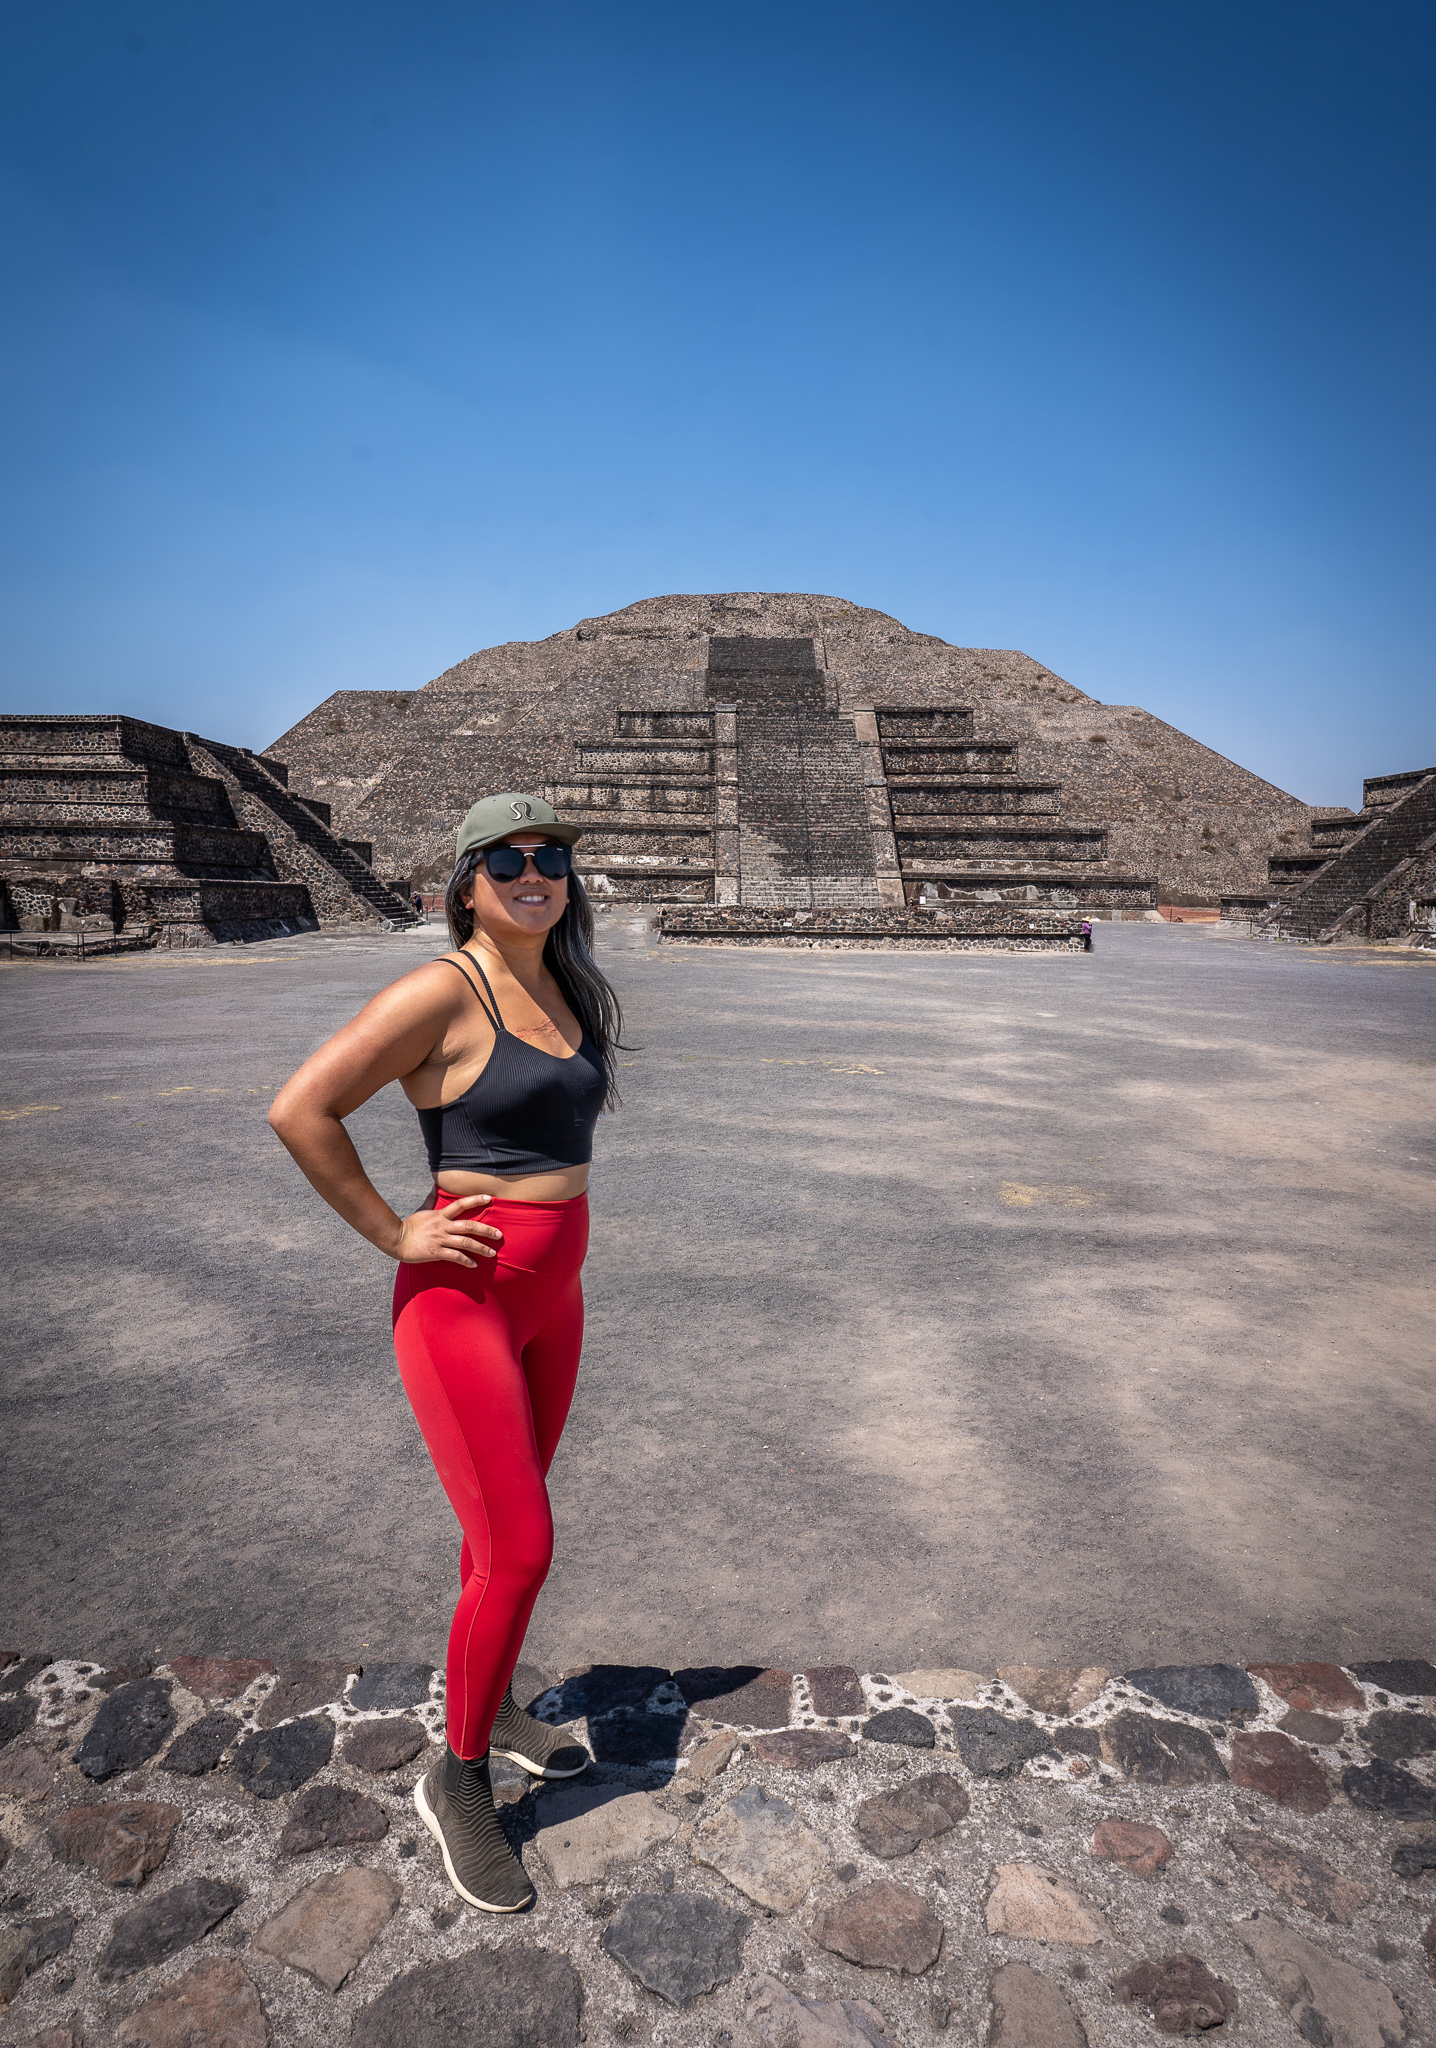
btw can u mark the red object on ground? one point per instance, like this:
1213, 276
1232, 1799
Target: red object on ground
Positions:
488, 1357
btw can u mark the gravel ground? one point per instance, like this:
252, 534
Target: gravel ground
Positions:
944, 1311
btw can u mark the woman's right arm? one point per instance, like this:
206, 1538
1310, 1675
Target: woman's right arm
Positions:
391, 1036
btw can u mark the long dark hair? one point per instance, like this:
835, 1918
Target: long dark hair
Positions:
568, 956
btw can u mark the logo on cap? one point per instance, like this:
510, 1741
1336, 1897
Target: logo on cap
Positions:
521, 810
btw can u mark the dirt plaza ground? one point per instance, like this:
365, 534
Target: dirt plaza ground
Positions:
943, 1311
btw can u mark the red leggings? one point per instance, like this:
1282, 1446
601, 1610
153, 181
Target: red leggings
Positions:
488, 1358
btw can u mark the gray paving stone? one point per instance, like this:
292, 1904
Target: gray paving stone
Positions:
214, 2005
1029, 2011
586, 1832
133, 1724
512, 1997
835, 1691
1324, 1729
1181, 1993
16, 1715
882, 1926
391, 1685
994, 1745
603, 1687
122, 1842
1385, 1788
901, 1724
779, 2018
1412, 1676
331, 1817
677, 1944
199, 1748
1299, 1878
272, 1761
307, 1683
1395, 1735
379, 1746
800, 1749
1153, 1752
327, 1929
1031, 1904
636, 1738
893, 1823
26, 1773
163, 1926
741, 1695
14, 1947
759, 1844
1212, 1690
20, 1672
49, 1937
1410, 1859
1330, 2002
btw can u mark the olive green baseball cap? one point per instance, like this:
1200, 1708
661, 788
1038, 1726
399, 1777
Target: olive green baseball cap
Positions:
499, 817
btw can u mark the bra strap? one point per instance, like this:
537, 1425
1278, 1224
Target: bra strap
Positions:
492, 1014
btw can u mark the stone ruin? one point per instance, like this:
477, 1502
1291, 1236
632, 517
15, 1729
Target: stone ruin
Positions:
125, 834
1361, 876
764, 767
749, 758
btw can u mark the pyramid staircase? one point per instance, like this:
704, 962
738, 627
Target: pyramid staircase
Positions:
768, 803
1368, 874
116, 828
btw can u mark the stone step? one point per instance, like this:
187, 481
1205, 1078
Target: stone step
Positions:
669, 757
955, 839
120, 843
946, 929
1294, 867
1380, 791
93, 734
619, 835
119, 790
923, 758
1089, 885
585, 802
914, 805
665, 725
1397, 830
158, 909
936, 722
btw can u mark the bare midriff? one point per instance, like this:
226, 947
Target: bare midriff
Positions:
562, 1185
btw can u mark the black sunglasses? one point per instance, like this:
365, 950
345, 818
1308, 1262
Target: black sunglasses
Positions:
506, 863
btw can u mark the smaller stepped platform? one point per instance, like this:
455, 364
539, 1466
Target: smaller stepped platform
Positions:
945, 929
115, 829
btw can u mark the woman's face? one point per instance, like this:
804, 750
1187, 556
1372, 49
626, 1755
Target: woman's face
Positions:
531, 904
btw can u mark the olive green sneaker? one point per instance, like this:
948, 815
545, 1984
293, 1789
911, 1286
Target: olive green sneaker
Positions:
455, 1801
546, 1752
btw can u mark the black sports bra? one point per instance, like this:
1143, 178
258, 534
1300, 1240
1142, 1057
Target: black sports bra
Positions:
528, 1112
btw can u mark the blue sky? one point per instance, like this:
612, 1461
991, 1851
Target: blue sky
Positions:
345, 340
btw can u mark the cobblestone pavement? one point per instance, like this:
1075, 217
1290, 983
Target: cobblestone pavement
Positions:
219, 1853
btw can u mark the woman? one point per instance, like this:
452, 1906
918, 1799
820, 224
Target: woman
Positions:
506, 1047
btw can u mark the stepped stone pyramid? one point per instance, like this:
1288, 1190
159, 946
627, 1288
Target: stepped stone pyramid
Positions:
132, 833
1363, 875
784, 750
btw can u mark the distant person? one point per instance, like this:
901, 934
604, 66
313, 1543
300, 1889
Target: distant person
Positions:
418, 903
506, 1046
